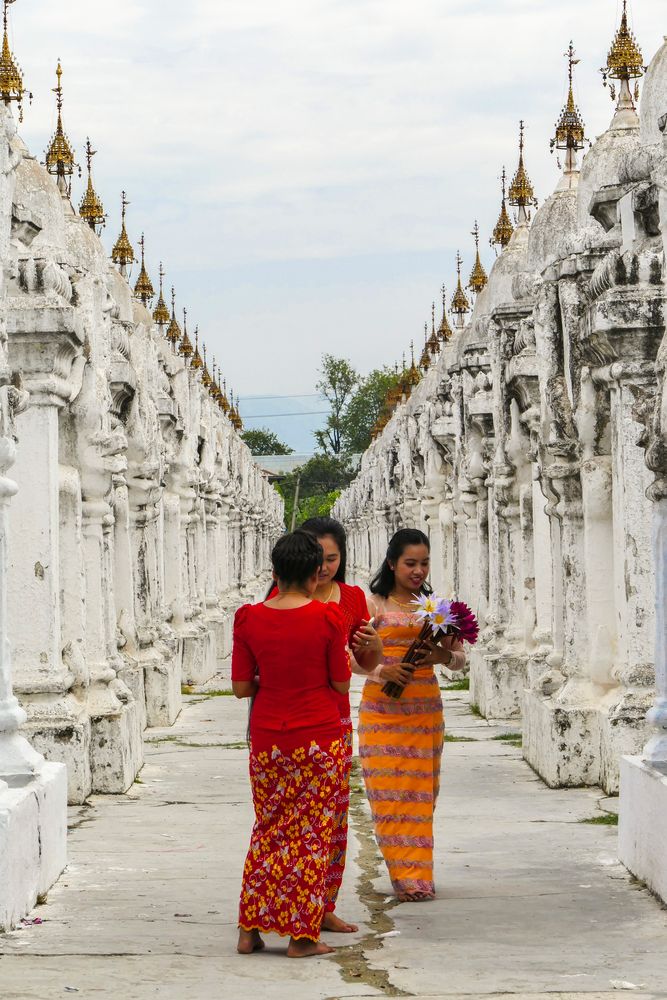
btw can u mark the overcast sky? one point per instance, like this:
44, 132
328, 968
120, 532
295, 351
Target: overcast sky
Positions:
307, 169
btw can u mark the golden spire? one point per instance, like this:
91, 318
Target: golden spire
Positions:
412, 375
214, 388
173, 333
425, 360
60, 155
433, 341
444, 330
624, 63
460, 304
206, 379
91, 208
478, 278
144, 287
522, 195
11, 78
570, 129
161, 313
122, 253
234, 414
502, 233
196, 362
185, 347
224, 402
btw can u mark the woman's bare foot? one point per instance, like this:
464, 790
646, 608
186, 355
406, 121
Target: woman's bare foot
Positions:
415, 897
305, 948
335, 925
249, 942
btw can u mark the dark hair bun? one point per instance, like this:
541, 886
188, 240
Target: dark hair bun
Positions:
296, 557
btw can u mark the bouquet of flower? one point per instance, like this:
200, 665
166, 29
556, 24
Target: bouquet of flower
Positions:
439, 617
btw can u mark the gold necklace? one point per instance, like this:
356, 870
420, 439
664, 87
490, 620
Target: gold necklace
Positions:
330, 593
410, 607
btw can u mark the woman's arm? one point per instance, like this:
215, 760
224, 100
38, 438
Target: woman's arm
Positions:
448, 652
245, 689
338, 661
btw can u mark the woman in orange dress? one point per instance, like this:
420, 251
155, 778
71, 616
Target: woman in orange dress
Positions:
289, 655
401, 740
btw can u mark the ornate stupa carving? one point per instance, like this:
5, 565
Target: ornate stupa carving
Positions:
460, 305
206, 379
503, 229
478, 277
60, 161
91, 208
625, 63
161, 312
11, 77
425, 359
144, 287
122, 253
433, 340
521, 193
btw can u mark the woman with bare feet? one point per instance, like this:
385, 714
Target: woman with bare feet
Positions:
289, 655
401, 740
364, 642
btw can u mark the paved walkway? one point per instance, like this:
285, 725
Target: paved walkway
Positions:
532, 899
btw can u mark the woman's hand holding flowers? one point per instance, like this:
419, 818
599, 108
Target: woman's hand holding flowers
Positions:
397, 673
438, 653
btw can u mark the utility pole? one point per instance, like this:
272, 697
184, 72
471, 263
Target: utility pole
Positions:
296, 501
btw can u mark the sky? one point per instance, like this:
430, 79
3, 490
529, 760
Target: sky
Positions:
308, 169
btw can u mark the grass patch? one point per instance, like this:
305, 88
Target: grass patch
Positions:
459, 739
476, 711
512, 739
605, 819
235, 746
462, 685
221, 693
187, 689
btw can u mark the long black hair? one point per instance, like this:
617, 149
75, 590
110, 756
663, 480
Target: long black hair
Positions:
384, 580
321, 526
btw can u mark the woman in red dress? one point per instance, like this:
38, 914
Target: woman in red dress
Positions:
368, 651
289, 655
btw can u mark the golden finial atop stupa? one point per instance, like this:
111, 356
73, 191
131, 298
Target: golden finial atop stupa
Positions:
173, 333
161, 313
478, 278
185, 347
206, 379
196, 362
624, 63
444, 330
522, 195
222, 397
412, 375
11, 78
433, 341
91, 208
503, 230
144, 287
570, 128
460, 304
122, 253
425, 359
234, 414
214, 389
60, 155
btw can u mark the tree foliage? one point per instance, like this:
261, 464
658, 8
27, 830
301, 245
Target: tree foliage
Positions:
338, 381
321, 481
262, 441
364, 409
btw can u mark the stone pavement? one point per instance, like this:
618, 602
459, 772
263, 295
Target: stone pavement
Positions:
532, 900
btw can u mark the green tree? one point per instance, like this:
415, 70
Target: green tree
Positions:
364, 409
321, 481
338, 380
262, 441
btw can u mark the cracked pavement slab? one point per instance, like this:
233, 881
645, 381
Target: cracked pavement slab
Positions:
531, 900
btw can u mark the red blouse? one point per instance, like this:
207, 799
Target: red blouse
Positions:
297, 653
354, 611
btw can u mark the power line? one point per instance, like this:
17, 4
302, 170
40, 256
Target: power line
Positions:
300, 413
301, 395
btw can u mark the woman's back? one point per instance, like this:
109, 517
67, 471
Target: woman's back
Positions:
297, 653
